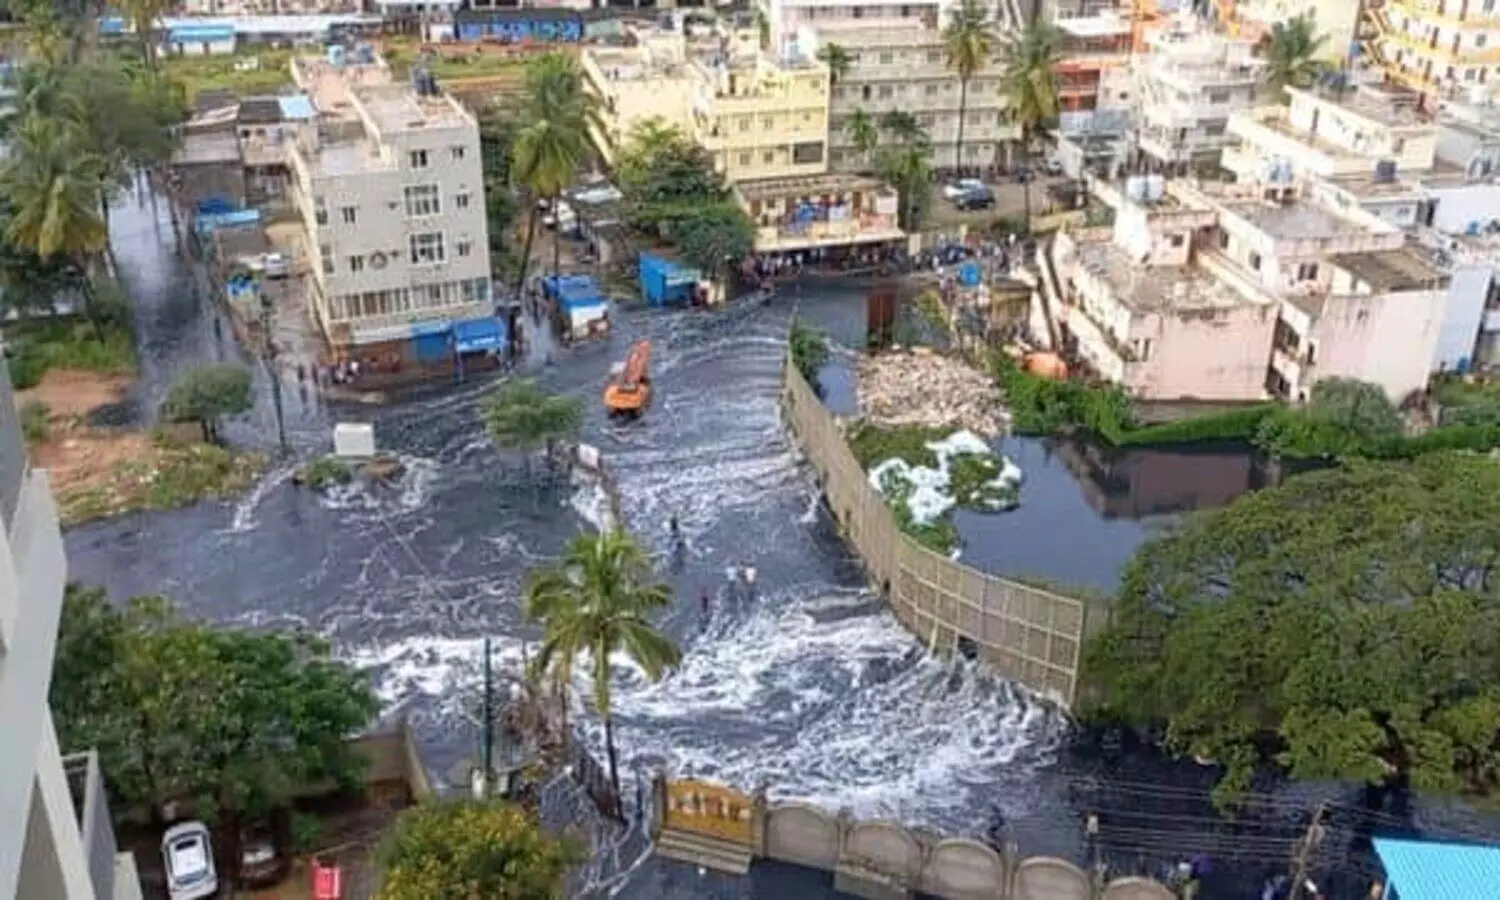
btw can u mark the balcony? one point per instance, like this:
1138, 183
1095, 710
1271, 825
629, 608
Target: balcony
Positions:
1267, 132
112, 875
1432, 11
12, 452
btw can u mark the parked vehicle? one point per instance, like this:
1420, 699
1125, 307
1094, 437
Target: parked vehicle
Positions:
1054, 166
187, 853
981, 198
956, 189
260, 865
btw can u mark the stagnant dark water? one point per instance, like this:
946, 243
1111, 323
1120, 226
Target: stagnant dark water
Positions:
811, 688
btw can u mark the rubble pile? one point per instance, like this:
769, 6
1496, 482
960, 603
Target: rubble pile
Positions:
905, 388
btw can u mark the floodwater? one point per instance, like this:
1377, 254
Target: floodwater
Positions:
809, 687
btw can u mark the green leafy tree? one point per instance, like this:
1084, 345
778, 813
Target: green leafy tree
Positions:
1291, 51
473, 849
206, 394
908, 168
864, 133
599, 600
714, 236
968, 45
1028, 81
1347, 621
519, 416
233, 721
145, 16
904, 128
1343, 417
664, 176
838, 59
809, 350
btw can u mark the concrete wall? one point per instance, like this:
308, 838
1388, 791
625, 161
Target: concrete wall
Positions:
1029, 635
875, 857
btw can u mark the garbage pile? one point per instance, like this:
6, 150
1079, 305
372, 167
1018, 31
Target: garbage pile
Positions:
920, 388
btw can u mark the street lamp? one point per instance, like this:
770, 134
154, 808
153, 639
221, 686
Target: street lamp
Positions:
268, 354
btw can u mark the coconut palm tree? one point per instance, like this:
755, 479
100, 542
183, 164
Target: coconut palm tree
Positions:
838, 59
1291, 51
864, 133
598, 599
968, 43
903, 127
908, 167
1028, 81
52, 186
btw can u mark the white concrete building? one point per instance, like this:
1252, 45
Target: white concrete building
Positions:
58, 841
391, 192
1186, 87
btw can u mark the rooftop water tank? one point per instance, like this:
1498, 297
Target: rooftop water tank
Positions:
1135, 188
1156, 188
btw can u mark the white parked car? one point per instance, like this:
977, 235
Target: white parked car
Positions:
1054, 166
188, 855
962, 188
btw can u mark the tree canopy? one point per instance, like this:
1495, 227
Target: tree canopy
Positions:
1343, 416
1348, 619
473, 849
205, 394
233, 721
1291, 51
519, 416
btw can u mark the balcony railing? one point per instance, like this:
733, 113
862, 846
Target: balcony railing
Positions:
12, 450
95, 827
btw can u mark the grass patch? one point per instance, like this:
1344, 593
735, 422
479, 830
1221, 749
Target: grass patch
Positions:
66, 342
325, 472
36, 422
873, 445
219, 73
972, 483
173, 474
939, 536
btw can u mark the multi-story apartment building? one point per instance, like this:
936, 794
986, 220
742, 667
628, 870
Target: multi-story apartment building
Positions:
1440, 47
835, 213
1194, 290
1253, 20
59, 843
762, 117
651, 80
391, 192
900, 65
1098, 40
1185, 88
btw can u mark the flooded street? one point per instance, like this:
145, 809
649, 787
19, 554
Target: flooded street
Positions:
810, 687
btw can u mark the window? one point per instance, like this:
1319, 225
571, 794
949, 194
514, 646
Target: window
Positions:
745, 158
1479, 40
744, 123
1255, 261
887, 58
1307, 272
768, 157
320, 211
461, 201
934, 56
456, 152
325, 253
886, 92
767, 122
423, 200
356, 263
427, 248
1218, 97
464, 248
1178, 240
930, 90
419, 159
350, 214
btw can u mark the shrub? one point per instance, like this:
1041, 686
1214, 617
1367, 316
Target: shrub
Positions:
326, 471
809, 349
36, 421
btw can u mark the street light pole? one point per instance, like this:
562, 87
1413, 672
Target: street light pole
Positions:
269, 355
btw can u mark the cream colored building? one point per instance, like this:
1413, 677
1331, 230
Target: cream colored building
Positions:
900, 66
1440, 47
1186, 87
652, 80
1219, 292
391, 192
1334, 19
836, 210
762, 118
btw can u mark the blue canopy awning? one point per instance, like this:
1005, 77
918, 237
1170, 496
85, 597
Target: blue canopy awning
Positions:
201, 34
1433, 870
474, 335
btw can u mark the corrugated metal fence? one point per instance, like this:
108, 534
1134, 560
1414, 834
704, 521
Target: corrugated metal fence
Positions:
1030, 635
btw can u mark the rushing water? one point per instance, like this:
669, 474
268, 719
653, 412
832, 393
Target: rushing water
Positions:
810, 687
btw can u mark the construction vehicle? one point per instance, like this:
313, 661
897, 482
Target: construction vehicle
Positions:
629, 390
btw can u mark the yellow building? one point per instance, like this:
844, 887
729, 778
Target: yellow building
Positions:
1440, 47
1334, 19
836, 212
761, 118
652, 80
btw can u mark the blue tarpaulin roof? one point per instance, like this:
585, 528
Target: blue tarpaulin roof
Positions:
210, 221
428, 329
479, 334
575, 291
297, 106
188, 34
1432, 870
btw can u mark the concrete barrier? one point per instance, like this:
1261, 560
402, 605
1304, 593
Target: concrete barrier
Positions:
698, 822
1030, 635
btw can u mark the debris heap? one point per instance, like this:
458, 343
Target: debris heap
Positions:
924, 389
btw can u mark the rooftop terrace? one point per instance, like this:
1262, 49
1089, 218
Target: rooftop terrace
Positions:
1159, 289
803, 185
397, 108
1411, 268
1388, 105
1296, 221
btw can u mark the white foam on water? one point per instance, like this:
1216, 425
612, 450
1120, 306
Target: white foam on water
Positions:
427, 666
590, 500
243, 519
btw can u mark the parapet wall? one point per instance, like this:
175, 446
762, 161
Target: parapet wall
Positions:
873, 858
1030, 635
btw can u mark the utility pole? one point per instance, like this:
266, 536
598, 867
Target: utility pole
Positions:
1305, 849
269, 355
487, 745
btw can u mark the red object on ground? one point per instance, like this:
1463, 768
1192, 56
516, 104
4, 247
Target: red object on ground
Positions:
328, 881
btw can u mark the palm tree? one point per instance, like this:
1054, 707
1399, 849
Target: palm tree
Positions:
144, 16
864, 133
1028, 81
52, 187
969, 42
838, 59
1291, 51
598, 599
903, 127
908, 168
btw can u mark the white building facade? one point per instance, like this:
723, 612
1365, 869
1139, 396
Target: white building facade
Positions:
1186, 88
58, 843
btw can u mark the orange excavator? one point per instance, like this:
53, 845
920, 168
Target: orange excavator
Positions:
629, 390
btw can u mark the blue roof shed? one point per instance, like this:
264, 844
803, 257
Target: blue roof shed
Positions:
1432, 870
